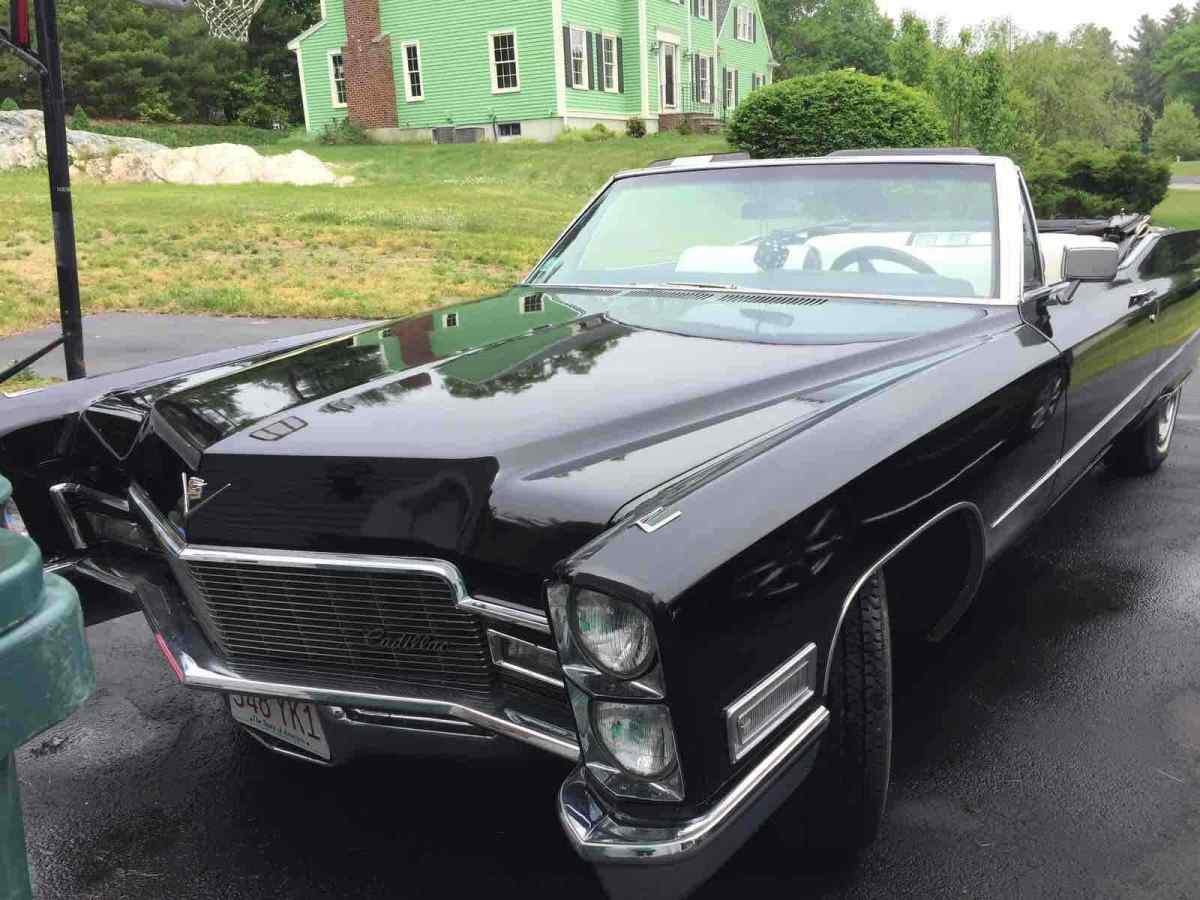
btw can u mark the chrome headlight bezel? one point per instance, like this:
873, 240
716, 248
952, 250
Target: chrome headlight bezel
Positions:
620, 607
579, 666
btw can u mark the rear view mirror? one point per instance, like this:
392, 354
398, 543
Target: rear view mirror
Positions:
1095, 263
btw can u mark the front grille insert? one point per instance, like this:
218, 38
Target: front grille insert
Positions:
358, 629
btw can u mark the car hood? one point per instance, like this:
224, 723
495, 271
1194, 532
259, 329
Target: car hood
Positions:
508, 431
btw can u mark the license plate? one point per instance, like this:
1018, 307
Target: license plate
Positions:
290, 721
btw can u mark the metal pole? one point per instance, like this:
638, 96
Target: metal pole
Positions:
54, 113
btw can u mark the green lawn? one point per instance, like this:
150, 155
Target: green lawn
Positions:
1181, 209
421, 226
1186, 168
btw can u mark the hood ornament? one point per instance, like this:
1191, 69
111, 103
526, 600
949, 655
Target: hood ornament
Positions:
193, 494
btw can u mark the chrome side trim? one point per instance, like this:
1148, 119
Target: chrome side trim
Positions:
1087, 438
503, 611
807, 657
58, 496
962, 506
173, 543
597, 837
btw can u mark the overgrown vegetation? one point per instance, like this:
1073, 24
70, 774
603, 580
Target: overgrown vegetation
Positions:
180, 135
342, 133
815, 114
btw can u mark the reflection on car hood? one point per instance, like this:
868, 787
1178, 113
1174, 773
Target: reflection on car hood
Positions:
510, 429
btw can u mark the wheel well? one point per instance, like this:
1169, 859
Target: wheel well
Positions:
932, 580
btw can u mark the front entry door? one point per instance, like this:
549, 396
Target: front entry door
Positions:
669, 75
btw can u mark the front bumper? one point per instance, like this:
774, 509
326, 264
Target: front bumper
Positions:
635, 860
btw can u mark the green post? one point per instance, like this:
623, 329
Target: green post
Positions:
45, 674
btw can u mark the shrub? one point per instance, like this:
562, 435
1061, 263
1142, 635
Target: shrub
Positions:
684, 127
1073, 181
155, 106
1177, 134
9, 105
597, 132
80, 120
344, 132
635, 128
816, 114
261, 114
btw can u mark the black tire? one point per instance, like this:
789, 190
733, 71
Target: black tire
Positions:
1142, 450
841, 804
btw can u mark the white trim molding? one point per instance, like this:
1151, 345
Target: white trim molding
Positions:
516, 60
408, 93
333, 91
560, 62
607, 38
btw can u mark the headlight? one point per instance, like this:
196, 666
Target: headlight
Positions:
639, 736
10, 518
616, 635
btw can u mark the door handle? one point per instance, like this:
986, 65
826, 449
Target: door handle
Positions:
1140, 298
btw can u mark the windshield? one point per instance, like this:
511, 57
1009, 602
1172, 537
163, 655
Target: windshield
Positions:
894, 229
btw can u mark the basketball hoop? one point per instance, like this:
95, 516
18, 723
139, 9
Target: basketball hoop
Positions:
229, 19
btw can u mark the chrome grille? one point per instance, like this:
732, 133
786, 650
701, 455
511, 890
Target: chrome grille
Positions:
354, 628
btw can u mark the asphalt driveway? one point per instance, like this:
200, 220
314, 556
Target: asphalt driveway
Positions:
115, 341
1049, 748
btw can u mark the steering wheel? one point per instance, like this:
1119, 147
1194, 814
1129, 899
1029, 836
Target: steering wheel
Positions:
864, 255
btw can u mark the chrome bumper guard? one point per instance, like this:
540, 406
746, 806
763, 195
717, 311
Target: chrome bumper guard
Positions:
625, 854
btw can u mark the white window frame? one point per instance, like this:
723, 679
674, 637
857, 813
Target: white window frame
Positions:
705, 9
742, 24
607, 40
492, 35
333, 91
579, 83
730, 89
707, 67
408, 95
758, 81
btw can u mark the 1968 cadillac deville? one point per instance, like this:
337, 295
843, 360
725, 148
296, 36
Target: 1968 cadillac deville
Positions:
660, 510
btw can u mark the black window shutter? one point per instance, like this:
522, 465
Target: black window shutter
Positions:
620, 65
695, 7
754, 26
696, 76
599, 61
567, 67
591, 60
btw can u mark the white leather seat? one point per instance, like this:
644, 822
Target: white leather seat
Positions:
1053, 245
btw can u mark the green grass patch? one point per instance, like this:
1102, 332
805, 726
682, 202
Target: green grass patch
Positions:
1190, 167
190, 135
26, 381
1181, 209
422, 226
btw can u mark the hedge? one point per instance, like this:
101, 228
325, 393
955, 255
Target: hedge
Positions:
1069, 181
816, 114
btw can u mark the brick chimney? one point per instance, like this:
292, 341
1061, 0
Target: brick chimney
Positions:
367, 57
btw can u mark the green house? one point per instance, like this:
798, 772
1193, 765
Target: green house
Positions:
470, 70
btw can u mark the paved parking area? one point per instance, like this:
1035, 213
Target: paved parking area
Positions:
1049, 748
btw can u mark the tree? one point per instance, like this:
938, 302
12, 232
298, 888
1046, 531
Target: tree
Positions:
1077, 88
1138, 59
911, 52
118, 55
824, 35
1178, 62
973, 88
1177, 134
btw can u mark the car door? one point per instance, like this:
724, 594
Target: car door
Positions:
1108, 334
1168, 276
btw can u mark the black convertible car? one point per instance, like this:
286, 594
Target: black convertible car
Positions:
660, 510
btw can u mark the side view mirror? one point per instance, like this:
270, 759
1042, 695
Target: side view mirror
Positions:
1094, 263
